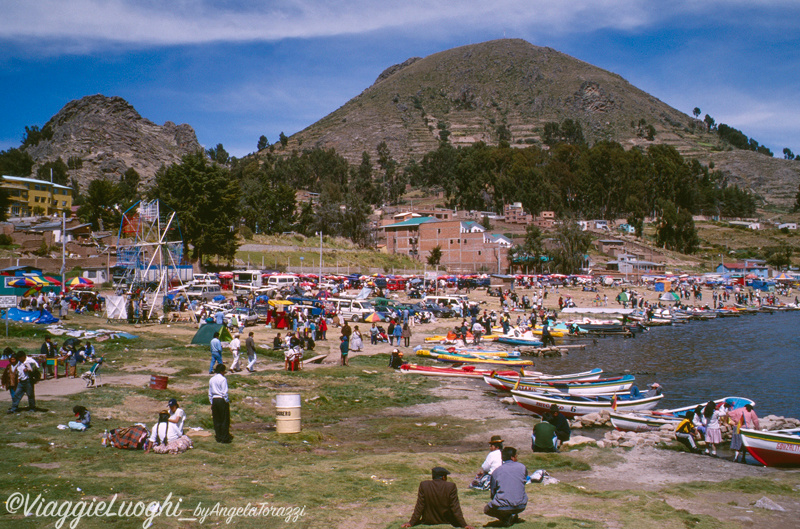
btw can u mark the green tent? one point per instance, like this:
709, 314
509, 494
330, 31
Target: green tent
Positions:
206, 332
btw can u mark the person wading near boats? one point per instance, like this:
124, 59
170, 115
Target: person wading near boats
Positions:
507, 489
740, 418
437, 502
547, 338
490, 464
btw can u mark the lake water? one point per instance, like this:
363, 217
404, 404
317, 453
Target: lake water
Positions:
755, 356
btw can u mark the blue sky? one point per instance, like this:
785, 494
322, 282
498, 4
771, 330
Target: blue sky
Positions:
236, 69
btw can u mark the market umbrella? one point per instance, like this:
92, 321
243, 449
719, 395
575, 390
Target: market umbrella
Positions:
373, 318
28, 282
623, 296
80, 282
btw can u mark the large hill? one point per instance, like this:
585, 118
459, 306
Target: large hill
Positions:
482, 90
108, 137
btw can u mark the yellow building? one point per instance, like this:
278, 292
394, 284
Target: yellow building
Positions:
30, 196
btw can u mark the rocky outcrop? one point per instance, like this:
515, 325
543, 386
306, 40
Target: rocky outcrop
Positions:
106, 136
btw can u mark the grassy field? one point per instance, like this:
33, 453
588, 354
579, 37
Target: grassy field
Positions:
362, 451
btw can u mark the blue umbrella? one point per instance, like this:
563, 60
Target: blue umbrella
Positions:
219, 297
262, 299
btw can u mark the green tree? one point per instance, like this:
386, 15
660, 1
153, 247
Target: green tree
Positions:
573, 245
59, 172
676, 230
435, 256
263, 143
268, 203
696, 112
788, 154
101, 205
128, 187
34, 135
219, 154
5, 204
206, 200
709, 121
779, 257
16, 162
283, 139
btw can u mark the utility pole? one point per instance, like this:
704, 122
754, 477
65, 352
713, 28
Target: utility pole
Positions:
319, 279
63, 250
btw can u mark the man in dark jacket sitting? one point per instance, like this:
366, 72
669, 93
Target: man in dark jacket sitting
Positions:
437, 502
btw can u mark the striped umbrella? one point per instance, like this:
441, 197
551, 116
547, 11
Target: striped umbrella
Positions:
28, 282
80, 282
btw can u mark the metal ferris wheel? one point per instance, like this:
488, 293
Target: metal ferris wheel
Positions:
150, 249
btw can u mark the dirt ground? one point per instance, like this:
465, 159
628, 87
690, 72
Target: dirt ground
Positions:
646, 470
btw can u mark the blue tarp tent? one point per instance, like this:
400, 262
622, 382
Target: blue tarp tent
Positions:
31, 316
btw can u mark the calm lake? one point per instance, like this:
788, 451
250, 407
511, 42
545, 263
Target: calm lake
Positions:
754, 356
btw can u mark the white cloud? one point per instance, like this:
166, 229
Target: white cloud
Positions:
83, 24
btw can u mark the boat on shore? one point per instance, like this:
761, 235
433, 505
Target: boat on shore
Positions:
780, 448
646, 422
459, 372
577, 386
574, 405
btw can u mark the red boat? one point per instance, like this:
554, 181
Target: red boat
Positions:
463, 371
773, 449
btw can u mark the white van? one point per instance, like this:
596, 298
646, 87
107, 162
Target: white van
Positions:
280, 281
352, 309
457, 303
203, 292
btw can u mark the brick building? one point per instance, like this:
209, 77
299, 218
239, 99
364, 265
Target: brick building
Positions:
465, 245
515, 214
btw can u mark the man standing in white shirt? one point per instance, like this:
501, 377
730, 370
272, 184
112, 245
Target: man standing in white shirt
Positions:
235, 345
24, 368
220, 406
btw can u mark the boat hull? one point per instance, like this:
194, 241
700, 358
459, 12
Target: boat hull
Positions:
456, 372
773, 449
577, 406
564, 386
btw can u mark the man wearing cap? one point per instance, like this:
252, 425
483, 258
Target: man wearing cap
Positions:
507, 490
437, 502
176, 415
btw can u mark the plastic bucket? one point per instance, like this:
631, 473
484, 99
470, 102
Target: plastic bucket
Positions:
287, 413
158, 382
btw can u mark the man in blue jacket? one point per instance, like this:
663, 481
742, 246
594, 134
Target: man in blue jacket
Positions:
507, 489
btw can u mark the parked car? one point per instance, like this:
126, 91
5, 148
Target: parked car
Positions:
250, 316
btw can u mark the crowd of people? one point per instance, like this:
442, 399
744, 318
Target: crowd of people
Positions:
705, 423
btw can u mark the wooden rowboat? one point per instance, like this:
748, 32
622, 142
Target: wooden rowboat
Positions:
573, 405
645, 422
460, 372
599, 386
779, 448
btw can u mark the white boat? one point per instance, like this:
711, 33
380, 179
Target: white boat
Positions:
645, 422
779, 448
573, 405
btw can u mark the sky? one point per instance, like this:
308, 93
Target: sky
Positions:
238, 69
